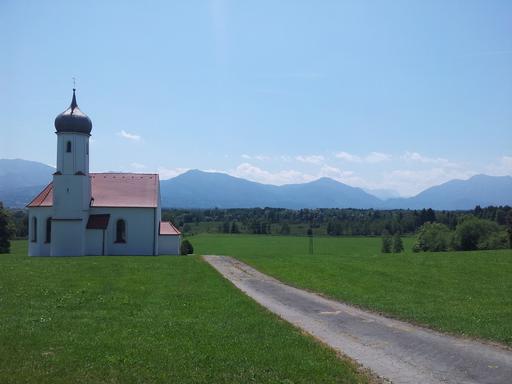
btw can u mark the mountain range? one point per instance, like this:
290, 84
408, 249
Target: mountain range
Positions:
21, 180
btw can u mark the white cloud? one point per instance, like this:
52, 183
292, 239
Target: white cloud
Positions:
334, 173
348, 157
377, 157
507, 163
502, 168
411, 182
291, 176
310, 159
416, 157
371, 158
169, 173
137, 165
129, 136
254, 173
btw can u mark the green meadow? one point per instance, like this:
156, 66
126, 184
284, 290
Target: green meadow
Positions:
145, 320
175, 319
466, 293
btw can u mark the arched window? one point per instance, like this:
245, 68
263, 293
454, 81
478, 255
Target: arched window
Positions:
68, 146
121, 231
34, 229
48, 230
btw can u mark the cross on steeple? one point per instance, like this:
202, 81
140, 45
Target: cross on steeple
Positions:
74, 83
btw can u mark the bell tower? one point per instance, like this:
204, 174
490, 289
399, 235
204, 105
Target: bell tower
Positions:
71, 182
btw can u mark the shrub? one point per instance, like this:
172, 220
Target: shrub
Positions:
433, 237
398, 245
186, 247
386, 242
474, 233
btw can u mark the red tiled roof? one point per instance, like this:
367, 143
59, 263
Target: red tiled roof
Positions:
44, 199
98, 221
114, 190
167, 229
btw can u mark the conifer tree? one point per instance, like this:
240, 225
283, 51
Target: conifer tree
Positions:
398, 245
5, 231
386, 242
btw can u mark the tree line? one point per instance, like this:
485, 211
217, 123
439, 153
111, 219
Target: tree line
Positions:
324, 221
329, 221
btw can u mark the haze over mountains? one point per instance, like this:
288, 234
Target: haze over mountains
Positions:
21, 180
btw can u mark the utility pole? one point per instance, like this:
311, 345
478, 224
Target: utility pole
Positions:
310, 236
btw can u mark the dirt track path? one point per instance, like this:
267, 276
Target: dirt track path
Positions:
392, 349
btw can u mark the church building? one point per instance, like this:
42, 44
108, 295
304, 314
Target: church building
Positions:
81, 213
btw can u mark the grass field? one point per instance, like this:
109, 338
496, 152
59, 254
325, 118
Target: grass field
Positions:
145, 320
467, 293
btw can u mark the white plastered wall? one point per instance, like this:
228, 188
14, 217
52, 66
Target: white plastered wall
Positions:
78, 159
68, 237
94, 242
169, 245
40, 247
140, 230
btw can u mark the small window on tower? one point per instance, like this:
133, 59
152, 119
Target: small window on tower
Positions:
68, 146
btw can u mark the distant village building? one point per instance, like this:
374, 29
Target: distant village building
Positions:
82, 213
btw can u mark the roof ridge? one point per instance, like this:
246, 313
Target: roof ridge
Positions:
122, 173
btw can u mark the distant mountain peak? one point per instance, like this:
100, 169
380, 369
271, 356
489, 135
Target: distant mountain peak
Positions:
324, 180
21, 180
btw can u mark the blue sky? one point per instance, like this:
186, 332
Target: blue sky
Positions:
378, 94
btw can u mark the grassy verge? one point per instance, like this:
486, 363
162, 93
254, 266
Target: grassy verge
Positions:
145, 320
468, 293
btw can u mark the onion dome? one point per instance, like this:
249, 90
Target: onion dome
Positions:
73, 119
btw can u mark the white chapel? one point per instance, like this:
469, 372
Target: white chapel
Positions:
81, 213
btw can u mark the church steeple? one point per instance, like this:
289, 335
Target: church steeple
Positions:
73, 119
71, 182
73, 131
73, 101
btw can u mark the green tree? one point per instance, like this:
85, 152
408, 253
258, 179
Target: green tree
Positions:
398, 245
225, 227
5, 230
474, 233
509, 227
186, 247
234, 227
285, 229
386, 242
433, 237
255, 227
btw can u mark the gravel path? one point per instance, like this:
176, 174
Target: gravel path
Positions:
392, 349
